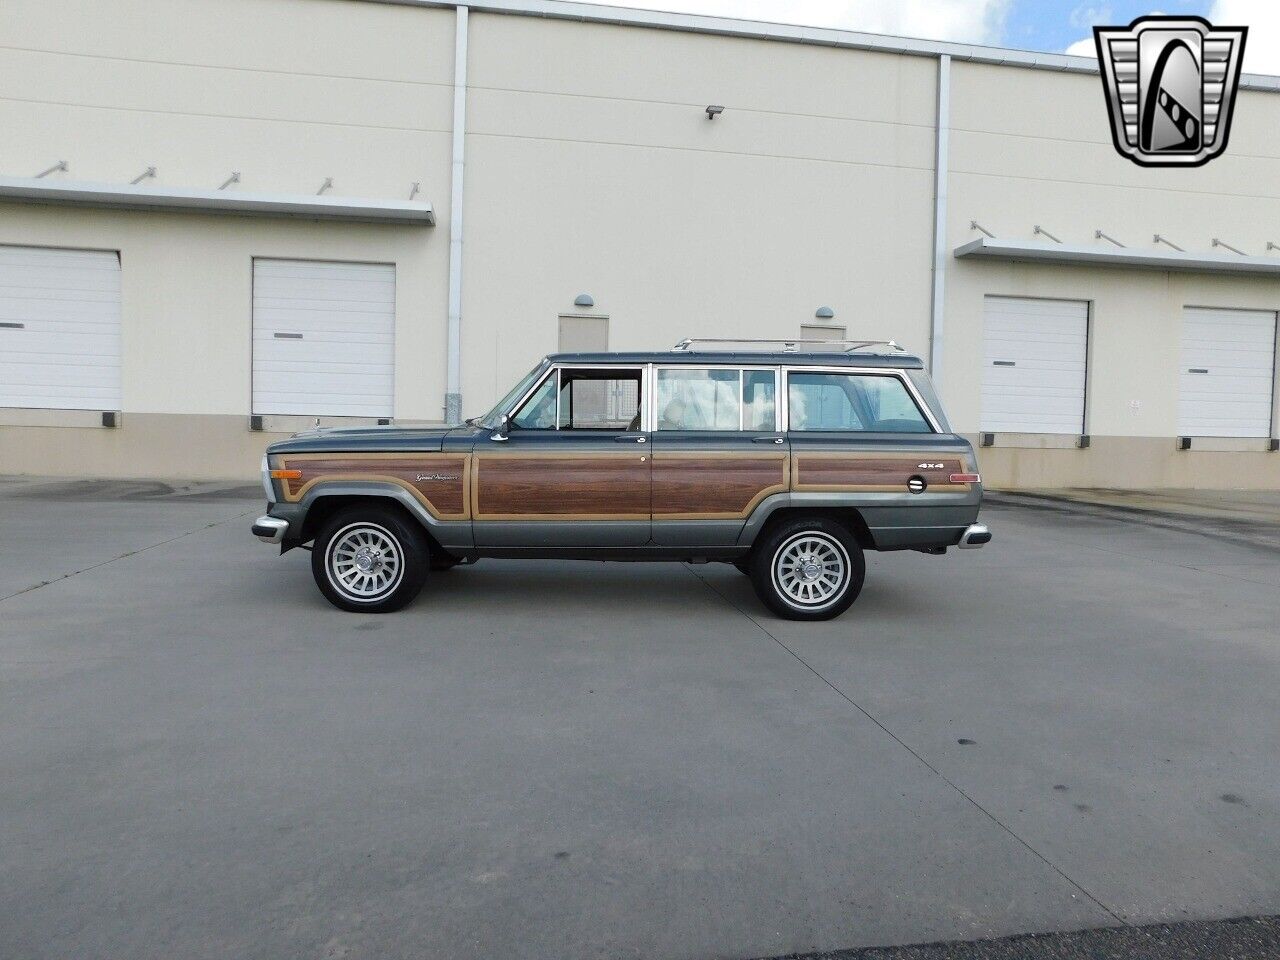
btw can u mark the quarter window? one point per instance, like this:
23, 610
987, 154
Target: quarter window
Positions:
874, 403
539, 411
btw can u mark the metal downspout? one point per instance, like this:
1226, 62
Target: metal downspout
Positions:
942, 142
453, 375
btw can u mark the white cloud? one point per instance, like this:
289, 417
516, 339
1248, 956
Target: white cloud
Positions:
1262, 17
966, 21
1083, 48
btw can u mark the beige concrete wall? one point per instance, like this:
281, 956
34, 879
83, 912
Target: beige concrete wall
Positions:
288, 92
591, 167
1034, 147
186, 292
1138, 463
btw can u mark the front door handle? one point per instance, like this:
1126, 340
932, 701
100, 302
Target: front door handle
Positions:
630, 438
768, 439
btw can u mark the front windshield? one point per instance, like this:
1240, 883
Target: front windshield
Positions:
490, 419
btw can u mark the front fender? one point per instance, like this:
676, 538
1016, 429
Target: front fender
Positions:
450, 534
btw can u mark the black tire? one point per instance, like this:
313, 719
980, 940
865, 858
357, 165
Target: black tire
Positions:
744, 565
385, 535
832, 574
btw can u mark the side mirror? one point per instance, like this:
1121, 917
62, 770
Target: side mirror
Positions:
504, 425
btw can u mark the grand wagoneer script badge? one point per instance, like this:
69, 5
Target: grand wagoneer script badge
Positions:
1171, 86
435, 476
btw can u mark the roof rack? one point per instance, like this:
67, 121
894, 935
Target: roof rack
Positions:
799, 345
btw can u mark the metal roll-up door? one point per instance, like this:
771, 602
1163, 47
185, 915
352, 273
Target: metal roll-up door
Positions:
323, 338
1033, 372
1227, 378
59, 328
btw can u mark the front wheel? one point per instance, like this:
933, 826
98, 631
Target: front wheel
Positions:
808, 569
370, 559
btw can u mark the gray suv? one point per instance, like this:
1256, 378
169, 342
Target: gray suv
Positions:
788, 459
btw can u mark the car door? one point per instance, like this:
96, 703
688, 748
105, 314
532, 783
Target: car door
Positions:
572, 470
867, 433
717, 451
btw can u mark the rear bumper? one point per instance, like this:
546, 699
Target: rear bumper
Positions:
270, 529
975, 535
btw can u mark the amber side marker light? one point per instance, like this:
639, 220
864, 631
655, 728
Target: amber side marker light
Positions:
286, 474
966, 478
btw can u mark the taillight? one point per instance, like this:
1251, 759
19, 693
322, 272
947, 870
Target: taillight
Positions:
966, 478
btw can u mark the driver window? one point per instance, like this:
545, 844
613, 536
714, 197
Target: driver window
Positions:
607, 400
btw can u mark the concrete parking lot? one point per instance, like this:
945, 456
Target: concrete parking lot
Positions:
1075, 727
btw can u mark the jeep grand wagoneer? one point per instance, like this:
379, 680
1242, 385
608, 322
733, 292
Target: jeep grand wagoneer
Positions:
787, 459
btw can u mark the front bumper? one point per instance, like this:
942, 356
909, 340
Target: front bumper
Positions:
975, 536
270, 529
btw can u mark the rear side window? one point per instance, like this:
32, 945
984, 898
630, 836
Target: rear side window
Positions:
693, 398
858, 402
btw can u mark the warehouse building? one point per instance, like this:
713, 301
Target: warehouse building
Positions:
222, 222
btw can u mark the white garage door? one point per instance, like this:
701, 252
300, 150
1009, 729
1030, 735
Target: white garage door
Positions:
1034, 365
323, 338
59, 328
1228, 361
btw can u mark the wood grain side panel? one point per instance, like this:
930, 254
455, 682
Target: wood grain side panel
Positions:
440, 482
693, 487
888, 472
561, 487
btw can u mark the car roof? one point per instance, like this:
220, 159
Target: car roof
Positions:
696, 358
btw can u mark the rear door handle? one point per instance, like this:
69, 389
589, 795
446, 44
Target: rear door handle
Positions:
630, 438
768, 439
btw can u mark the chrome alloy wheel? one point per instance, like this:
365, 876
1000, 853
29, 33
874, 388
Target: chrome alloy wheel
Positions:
811, 570
364, 562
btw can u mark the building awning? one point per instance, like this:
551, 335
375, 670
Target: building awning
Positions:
176, 199
1097, 255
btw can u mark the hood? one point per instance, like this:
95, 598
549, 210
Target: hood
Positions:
325, 439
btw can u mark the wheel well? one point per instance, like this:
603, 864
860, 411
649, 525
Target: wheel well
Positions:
325, 507
848, 517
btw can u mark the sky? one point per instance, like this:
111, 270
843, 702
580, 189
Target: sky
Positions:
1059, 26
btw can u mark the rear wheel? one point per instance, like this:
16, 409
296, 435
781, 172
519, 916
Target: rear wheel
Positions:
370, 559
809, 568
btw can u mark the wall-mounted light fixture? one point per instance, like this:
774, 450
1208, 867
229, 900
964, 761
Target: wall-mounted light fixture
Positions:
584, 300
824, 313
714, 110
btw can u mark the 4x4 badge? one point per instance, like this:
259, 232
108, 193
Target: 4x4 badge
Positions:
1171, 86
